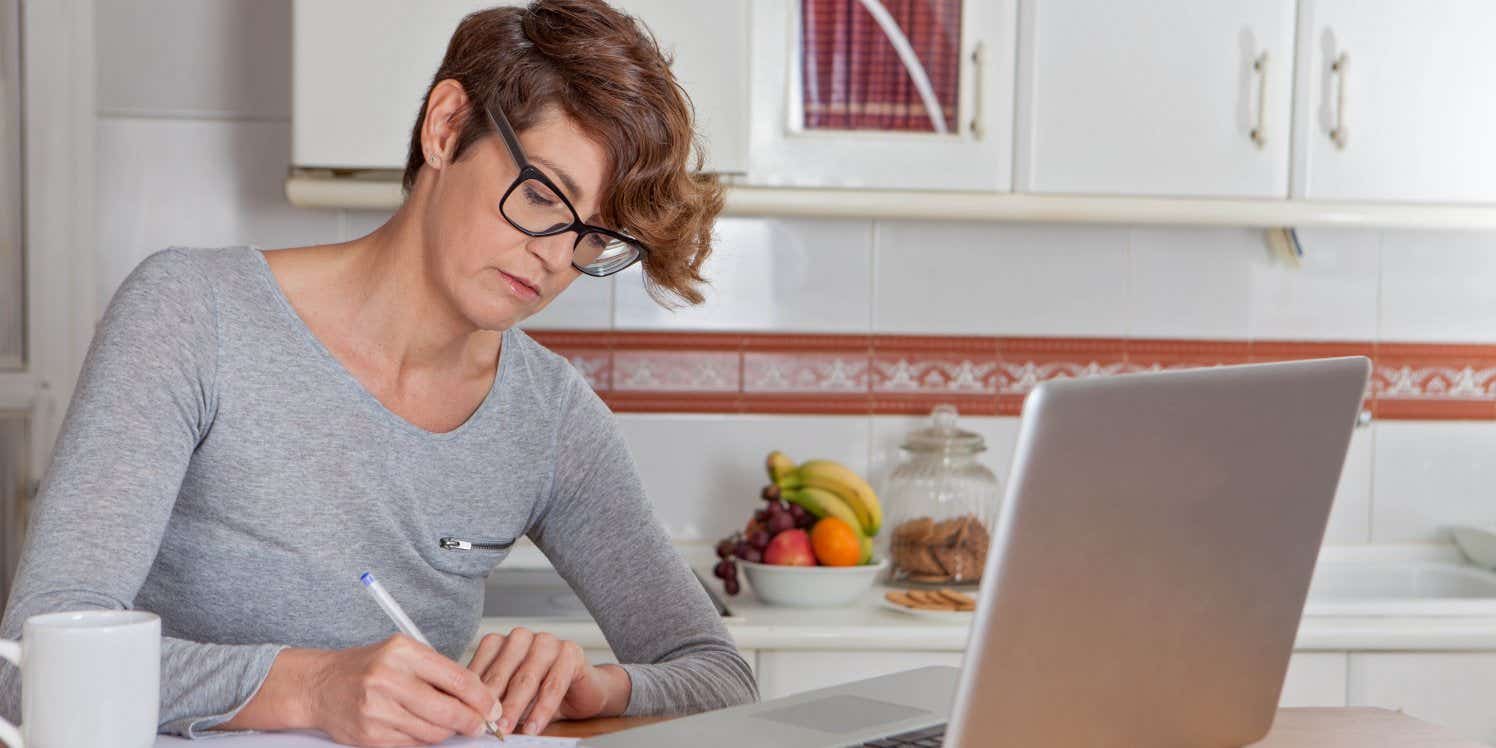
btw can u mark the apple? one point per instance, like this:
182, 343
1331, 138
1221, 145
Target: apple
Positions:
790, 548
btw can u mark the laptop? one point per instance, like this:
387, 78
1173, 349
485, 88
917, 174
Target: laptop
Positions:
1145, 582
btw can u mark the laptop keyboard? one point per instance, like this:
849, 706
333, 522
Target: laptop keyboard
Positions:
928, 737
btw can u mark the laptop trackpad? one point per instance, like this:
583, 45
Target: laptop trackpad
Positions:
841, 714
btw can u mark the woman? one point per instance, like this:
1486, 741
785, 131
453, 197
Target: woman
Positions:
252, 430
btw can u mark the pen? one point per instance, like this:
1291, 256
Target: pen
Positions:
407, 626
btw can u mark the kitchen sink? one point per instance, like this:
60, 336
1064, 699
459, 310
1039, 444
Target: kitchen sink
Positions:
1401, 588
542, 593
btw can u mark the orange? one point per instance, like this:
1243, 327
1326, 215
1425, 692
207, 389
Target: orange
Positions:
836, 543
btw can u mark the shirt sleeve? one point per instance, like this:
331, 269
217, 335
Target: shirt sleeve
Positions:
144, 401
601, 534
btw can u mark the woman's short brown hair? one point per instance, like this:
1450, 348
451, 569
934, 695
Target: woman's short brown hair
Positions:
606, 71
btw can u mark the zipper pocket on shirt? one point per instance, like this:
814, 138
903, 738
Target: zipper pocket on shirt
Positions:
459, 544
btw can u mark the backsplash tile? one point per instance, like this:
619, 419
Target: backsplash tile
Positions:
1000, 278
1436, 286
790, 275
1330, 295
1204, 270
1429, 476
704, 473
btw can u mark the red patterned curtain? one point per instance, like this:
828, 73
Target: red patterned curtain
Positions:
854, 78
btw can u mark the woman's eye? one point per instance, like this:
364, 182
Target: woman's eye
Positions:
537, 199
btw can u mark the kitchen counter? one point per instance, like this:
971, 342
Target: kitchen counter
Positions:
1366, 623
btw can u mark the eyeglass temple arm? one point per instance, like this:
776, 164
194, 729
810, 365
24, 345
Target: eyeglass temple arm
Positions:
501, 123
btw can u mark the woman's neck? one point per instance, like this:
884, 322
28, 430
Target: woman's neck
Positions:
379, 296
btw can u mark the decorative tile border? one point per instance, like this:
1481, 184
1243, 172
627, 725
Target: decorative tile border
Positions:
698, 372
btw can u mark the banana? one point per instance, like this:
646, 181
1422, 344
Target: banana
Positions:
823, 503
779, 465
867, 549
840, 480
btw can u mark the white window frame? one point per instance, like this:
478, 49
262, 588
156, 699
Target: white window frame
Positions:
57, 188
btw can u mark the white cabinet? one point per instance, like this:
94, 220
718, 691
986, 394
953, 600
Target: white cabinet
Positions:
785, 672
1314, 679
974, 154
361, 67
1454, 689
1413, 101
1167, 98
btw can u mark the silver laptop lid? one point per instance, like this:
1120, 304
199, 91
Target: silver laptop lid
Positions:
1153, 556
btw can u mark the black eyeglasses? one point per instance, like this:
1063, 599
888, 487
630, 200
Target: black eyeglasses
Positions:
537, 207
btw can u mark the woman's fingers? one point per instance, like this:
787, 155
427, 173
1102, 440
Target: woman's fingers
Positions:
460, 701
553, 688
526, 680
486, 653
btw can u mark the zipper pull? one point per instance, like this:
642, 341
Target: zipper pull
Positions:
454, 544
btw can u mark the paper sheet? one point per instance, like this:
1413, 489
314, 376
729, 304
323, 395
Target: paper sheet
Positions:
298, 739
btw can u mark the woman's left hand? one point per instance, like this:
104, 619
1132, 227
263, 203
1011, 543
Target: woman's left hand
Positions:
538, 678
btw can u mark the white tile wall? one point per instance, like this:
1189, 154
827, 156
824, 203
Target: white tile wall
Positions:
1350, 517
704, 472
194, 183
769, 274
1331, 295
191, 58
1203, 270
1436, 286
997, 279
1429, 475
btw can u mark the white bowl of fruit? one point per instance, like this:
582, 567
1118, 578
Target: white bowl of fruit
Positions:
810, 546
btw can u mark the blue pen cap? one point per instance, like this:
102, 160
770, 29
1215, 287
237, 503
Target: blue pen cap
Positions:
367, 579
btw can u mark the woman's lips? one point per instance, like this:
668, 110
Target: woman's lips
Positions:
519, 287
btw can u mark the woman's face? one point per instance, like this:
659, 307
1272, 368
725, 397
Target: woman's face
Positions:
495, 275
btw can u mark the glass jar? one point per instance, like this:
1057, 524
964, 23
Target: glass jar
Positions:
941, 504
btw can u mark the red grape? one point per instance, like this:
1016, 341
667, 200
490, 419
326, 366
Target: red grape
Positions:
781, 522
725, 548
759, 540
731, 586
761, 515
752, 555
724, 569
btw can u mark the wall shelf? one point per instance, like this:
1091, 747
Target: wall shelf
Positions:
319, 188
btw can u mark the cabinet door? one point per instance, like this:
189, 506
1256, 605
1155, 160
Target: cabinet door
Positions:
1411, 101
786, 672
1156, 98
1314, 679
836, 104
354, 103
1453, 689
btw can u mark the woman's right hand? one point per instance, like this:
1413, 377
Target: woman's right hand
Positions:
394, 693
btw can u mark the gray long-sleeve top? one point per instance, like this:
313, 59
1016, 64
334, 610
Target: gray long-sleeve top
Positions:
220, 468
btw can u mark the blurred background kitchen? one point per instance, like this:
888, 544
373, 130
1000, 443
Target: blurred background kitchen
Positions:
932, 201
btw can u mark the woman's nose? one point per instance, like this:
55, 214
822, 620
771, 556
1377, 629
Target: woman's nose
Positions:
554, 251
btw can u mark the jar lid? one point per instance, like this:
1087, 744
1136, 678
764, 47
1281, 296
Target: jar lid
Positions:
943, 435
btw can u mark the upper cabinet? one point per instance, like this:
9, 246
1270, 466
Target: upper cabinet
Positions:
1163, 98
1396, 101
896, 94
362, 66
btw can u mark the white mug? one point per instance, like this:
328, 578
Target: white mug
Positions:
91, 679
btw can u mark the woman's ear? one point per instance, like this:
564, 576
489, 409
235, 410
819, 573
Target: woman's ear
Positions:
440, 131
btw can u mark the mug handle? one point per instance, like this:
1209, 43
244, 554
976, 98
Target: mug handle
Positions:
9, 734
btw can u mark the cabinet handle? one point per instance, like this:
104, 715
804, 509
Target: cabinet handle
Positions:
978, 61
1338, 133
1259, 133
